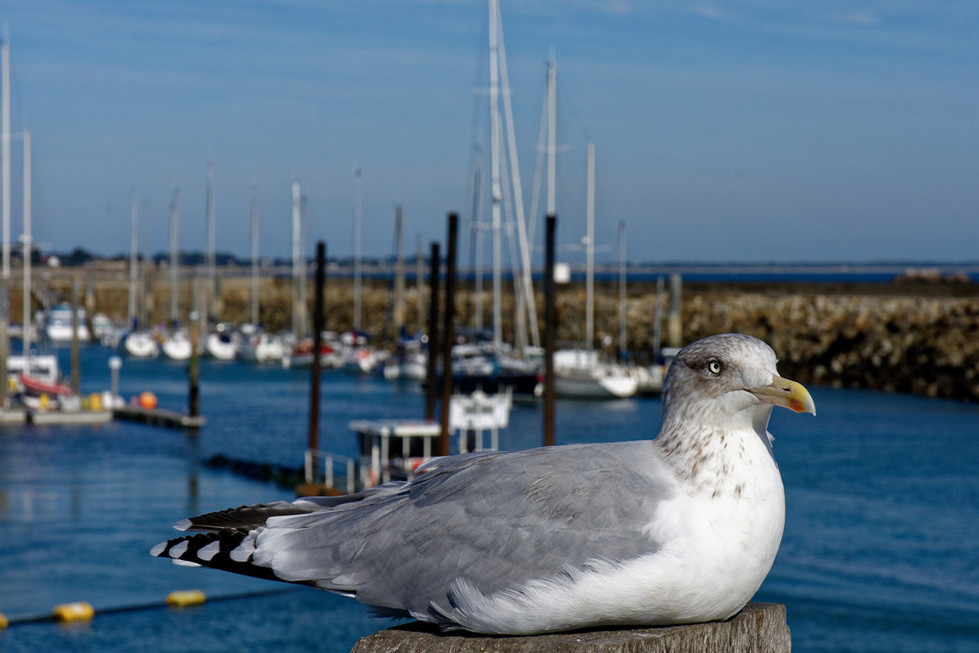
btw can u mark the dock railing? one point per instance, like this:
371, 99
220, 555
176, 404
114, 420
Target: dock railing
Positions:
331, 463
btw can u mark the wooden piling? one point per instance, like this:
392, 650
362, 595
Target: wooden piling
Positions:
448, 333
758, 627
316, 373
194, 366
549, 326
433, 333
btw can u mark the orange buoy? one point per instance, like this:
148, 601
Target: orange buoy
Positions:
147, 400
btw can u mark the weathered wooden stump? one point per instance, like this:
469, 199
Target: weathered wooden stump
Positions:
760, 627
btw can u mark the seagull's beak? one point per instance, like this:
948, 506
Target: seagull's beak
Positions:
786, 393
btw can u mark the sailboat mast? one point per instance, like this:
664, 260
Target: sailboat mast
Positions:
551, 136
590, 252
211, 265
5, 157
144, 296
478, 237
27, 251
174, 257
399, 275
357, 238
254, 234
622, 289
525, 294
298, 266
420, 282
496, 190
133, 257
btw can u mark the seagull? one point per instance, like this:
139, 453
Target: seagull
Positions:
679, 529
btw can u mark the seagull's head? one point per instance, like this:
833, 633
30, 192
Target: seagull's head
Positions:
729, 375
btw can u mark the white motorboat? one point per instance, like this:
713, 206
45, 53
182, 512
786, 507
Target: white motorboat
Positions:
57, 324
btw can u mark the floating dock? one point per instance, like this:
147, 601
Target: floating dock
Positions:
159, 417
69, 416
12, 417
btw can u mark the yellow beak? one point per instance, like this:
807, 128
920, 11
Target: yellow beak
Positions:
786, 393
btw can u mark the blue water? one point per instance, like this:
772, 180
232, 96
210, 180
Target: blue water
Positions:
880, 553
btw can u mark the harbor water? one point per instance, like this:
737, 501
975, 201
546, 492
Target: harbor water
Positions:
880, 552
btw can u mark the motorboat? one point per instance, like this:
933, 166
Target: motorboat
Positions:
58, 327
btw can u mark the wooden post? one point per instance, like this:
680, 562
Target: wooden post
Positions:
758, 627
194, 367
549, 319
315, 377
448, 334
433, 333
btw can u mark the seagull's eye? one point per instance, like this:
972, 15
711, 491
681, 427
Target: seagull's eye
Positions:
714, 366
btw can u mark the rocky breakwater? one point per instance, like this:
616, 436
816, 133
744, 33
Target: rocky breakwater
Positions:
919, 335
913, 344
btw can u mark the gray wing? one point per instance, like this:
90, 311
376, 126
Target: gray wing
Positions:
492, 520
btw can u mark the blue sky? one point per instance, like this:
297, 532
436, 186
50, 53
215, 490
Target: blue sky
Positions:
751, 130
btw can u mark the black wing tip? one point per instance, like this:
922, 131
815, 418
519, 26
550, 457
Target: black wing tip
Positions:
189, 550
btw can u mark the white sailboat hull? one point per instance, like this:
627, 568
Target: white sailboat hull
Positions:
579, 373
141, 344
177, 347
263, 349
601, 387
221, 347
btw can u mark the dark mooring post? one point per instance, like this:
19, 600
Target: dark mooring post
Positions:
194, 366
316, 374
549, 319
431, 373
448, 332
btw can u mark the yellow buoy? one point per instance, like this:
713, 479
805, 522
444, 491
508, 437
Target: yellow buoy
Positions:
4, 622
95, 401
185, 598
78, 611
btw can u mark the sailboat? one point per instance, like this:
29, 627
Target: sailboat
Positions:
258, 346
137, 343
580, 373
141, 344
223, 343
493, 365
176, 343
38, 377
